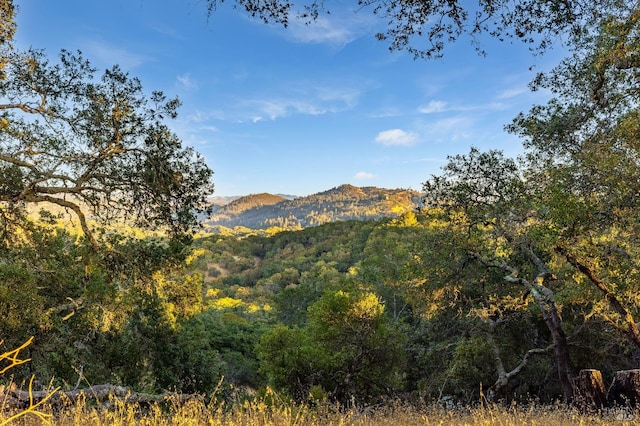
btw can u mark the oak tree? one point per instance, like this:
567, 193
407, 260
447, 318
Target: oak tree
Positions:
583, 152
350, 348
7, 24
99, 148
492, 222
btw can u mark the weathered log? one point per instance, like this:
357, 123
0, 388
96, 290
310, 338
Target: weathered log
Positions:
625, 388
589, 389
17, 398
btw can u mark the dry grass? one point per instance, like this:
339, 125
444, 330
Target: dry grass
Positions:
259, 413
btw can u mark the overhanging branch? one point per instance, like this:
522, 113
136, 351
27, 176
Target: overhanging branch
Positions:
632, 330
67, 204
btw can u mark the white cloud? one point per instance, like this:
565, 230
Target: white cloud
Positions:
317, 102
273, 109
110, 55
186, 81
341, 95
441, 106
293, 99
433, 106
452, 129
204, 116
338, 29
321, 31
512, 93
364, 176
428, 160
395, 137
256, 110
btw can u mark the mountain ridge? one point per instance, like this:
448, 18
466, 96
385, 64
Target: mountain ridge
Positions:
344, 202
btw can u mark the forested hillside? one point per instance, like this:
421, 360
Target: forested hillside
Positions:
346, 202
365, 309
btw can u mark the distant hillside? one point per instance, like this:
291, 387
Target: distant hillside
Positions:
346, 202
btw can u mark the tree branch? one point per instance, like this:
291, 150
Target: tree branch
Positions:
19, 398
632, 330
36, 198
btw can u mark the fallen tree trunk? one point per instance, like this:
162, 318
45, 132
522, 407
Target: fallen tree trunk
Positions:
17, 398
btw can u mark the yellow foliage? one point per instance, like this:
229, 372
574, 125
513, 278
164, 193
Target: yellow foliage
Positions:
253, 308
408, 219
367, 307
398, 209
213, 292
437, 302
502, 247
243, 291
226, 303
273, 230
195, 254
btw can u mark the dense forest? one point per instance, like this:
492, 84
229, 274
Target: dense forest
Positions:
353, 309
511, 276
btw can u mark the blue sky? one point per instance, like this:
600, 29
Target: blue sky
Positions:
304, 109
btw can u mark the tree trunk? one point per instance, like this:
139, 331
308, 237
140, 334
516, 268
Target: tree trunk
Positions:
544, 298
561, 349
16, 398
589, 389
505, 376
625, 389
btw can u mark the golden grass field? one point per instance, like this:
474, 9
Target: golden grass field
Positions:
194, 412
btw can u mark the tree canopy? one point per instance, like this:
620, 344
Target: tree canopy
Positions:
563, 220
98, 147
424, 27
583, 152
